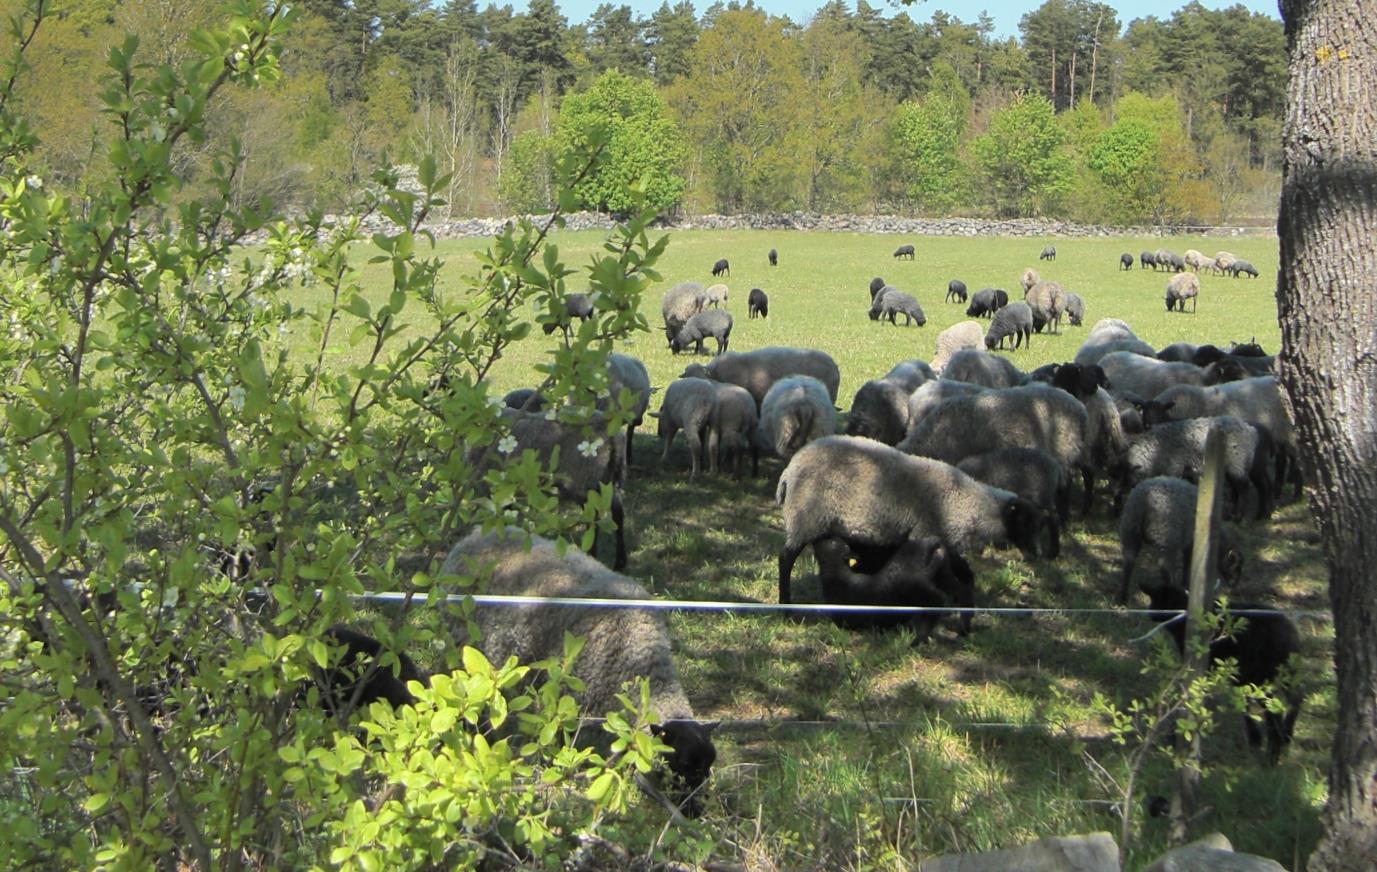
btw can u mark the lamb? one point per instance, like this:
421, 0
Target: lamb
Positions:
1048, 253
1242, 267
904, 251
689, 404
620, 645
717, 295
1195, 260
735, 426
364, 674
922, 573
575, 306
963, 334
796, 411
721, 268
773, 257
1016, 320
1107, 336
1147, 259
625, 371
956, 290
987, 302
982, 368
871, 494
1161, 512
716, 323
758, 369
880, 411
1222, 261
891, 302
1146, 376
877, 284
1075, 309
528, 399
1126, 261
1261, 644
758, 303
1181, 288
679, 304
1029, 278
1047, 301
1034, 475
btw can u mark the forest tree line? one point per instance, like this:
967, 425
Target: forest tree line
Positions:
731, 109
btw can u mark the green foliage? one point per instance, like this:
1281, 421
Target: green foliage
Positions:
926, 140
525, 186
1021, 158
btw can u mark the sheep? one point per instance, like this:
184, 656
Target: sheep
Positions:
956, 290
1177, 448
1016, 320
361, 675
982, 368
1147, 259
986, 302
1195, 260
735, 425
528, 399
1230, 368
1047, 301
716, 323
963, 334
758, 303
1109, 335
877, 284
879, 411
1162, 258
689, 404
918, 573
1075, 309
1048, 253
1029, 278
871, 494
1126, 261
1034, 475
904, 251
575, 306
585, 463
625, 371
717, 295
910, 374
1222, 260
758, 369
1161, 512
773, 257
1181, 288
891, 302
679, 304
1181, 352
1146, 376
1244, 267
1261, 644
1176, 262
796, 411
620, 645
721, 268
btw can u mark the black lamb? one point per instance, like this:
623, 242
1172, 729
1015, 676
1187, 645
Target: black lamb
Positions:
774, 257
877, 284
916, 573
984, 303
1125, 261
360, 677
721, 268
758, 303
956, 289
905, 251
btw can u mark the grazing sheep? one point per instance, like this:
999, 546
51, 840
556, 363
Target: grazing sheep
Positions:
1242, 267
1048, 253
717, 295
1034, 475
1261, 644
1075, 309
871, 494
1181, 288
575, 306
929, 396
1126, 261
911, 374
363, 670
1222, 260
1047, 301
1161, 512
904, 251
716, 323
620, 645
1107, 336
528, 399
758, 303
986, 302
982, 368
1178, 263
956, 290
625, 371
773, 257
721, 268
1029, 278
735, 425
796, 411
1147, 259
1146, 376
922, 573
877, 284
689, 404
679, 304
879, 411
891, 302
963, 334
1195, 260
757, 370
1016, 320
1177, 449
1163, 258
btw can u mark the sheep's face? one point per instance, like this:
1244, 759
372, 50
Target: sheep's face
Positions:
1024, 523
1224, 370
690, 758
1154, 412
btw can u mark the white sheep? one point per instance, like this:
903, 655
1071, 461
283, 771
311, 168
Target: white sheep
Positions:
689, 404
963, 334
796, 411
717, 295
735, 425
679, 304
1180, 288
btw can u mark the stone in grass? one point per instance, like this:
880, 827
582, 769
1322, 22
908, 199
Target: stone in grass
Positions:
1096, 852
1212, 854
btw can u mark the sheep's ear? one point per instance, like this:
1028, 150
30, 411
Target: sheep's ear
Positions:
657, 730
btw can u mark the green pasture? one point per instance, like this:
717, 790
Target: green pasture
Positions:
954, 744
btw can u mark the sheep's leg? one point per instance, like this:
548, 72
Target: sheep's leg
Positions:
787, 556
714, 444
1130, 556
1054, 533
667, 432
695, 446
619, 519
630, 432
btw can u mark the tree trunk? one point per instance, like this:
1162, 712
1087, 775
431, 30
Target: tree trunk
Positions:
1328, 310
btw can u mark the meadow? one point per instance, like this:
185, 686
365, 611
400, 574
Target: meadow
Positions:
841, 750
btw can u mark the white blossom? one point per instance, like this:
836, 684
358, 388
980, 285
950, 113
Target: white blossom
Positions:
4, 467
590, 448
507, 444
496, 402
34, 182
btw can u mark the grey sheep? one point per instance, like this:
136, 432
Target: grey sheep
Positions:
1147, 259
1107, 336
1048, 253
987, 301
877, 284
1242, 267
716, 323
963, 334
1035, 476
625, 371
1177, 448
796, 411
982, 368
1178, 263
1230, 368
1181, 288
871, 494
891, 302
956, 291
1047, 301
689, 404
721, 268
1146, 376
1222, 261
717, 295
911, 374
575, 306
1162, 258
1014, 320
758, 303
904, 251
679, 304
757, 370
930, 395
1075, 309
1161, 512
735, 425
1126, 261
879, 411
1029, 278
620, 645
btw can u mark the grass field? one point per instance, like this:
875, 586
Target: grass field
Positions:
863, 751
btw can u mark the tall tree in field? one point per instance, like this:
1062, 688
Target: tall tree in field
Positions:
1026, 169
925, 142
1328, 230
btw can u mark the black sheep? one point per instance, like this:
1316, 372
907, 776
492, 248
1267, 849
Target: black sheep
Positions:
876, 285
721, 268
1079, 380
986, 302
1126, 260
956, 289
1242, 266
528, 399
758, 303
575, 306
689, 761
905, 251
361, 662
774, 257
914, 573
1048, 253
1147, 259
1261, 644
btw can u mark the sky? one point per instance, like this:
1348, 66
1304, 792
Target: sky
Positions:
1005, 13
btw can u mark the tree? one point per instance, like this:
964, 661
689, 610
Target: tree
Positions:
671, 34
1328, 232
615, 41
926, 137
1021, 157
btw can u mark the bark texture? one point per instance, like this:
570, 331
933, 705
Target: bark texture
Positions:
1327, 301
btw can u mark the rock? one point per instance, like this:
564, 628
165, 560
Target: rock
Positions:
1212, 854
1096, 852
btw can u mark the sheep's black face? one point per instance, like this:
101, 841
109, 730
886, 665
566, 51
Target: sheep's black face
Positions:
1224, 370
1153, 412
1024, 523
690, 758
1080, 381
1207, 354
